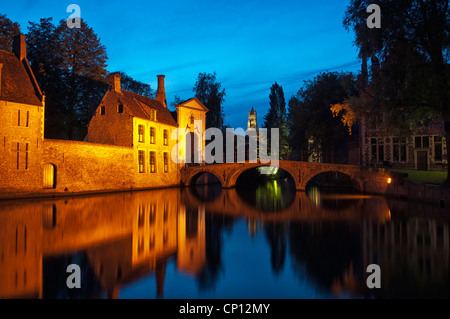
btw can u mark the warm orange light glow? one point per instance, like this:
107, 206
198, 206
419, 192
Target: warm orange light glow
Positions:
389, 180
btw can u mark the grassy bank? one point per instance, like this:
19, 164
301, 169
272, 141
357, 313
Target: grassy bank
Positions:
426, 177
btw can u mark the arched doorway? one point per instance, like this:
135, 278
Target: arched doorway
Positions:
49, 176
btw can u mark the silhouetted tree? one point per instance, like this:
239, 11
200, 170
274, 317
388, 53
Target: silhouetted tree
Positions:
211, 94
8, 30
71, 69
309, 111
276, 117
135, 86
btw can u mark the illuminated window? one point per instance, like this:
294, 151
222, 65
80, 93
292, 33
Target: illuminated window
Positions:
152, 135
141, 131
399, 149
152, 162
120, 108
166, 162
102, 110
141, 162
166, 137
152, 115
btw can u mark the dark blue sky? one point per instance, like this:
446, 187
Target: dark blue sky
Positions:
250, 44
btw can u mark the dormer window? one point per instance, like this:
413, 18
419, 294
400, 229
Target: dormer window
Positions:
102, 110
152, 115
120, 108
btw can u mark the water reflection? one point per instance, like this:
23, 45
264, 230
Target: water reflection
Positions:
174, 243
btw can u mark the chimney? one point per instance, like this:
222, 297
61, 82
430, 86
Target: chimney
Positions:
114, 82
161, 93
1, 66
20, 47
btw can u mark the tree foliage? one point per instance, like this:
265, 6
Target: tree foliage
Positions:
409, 77
8, 30
276, 117
135, 86
70, 66
310, 119
211, 94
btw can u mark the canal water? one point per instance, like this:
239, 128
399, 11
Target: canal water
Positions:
204, 242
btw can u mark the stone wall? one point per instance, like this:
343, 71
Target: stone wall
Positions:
83, 167
20, 170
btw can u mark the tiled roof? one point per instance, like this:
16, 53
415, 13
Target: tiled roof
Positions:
140, 106
16, 83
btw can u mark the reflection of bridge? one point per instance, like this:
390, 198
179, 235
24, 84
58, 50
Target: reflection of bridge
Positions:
364, 179
301, 209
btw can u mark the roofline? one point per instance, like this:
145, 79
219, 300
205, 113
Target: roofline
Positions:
192, 99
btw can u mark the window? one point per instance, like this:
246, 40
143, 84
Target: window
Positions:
152, 162
399, 149
152, 135
166, 162
166, 137
438, 141
422, 141
102, 110
192, 119
152, 115
141, 131
21, 118
21, 158
377, 149
141, 162
120, 108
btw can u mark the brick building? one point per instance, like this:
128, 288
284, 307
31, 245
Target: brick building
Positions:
129, 145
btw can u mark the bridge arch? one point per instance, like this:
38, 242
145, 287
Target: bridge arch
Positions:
234, 176
353, 181
194, 177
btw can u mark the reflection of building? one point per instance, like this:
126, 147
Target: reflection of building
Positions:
21, 252
125, 237
129, 142
191, 255
415, 247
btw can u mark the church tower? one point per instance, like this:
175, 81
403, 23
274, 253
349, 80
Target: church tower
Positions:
252, 123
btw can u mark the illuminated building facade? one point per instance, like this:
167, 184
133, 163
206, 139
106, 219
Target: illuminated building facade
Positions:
129, 144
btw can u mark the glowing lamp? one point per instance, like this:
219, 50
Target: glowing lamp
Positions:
389, 180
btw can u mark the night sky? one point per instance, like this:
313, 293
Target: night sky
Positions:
250, 44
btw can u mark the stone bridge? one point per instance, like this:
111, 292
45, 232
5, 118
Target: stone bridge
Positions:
367, 180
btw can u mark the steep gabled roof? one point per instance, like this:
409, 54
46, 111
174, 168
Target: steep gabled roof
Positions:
17, 81
140, 106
